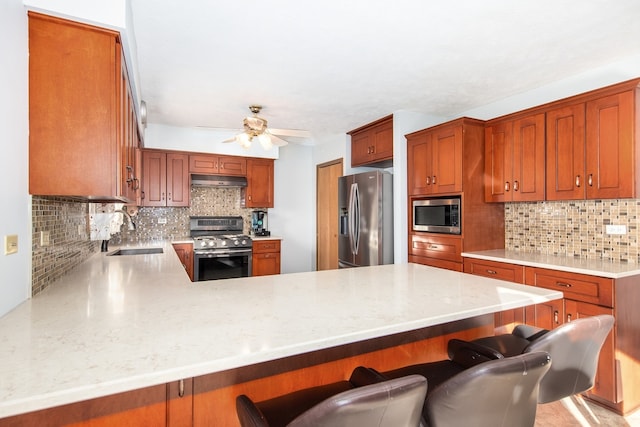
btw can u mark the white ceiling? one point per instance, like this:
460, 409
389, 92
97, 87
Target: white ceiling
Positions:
331, 66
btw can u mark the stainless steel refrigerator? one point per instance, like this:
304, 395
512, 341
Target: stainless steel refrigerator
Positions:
365, 213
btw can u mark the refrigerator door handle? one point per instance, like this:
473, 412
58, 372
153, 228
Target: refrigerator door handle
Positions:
354, 218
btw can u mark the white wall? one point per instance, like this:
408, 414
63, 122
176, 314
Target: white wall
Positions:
15, 275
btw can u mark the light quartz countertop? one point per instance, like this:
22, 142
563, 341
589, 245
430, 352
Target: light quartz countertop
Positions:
594, 267
119, 323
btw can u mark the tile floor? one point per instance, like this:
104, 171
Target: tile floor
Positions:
576, 411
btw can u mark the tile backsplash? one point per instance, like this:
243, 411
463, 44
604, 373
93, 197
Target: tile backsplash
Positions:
66, 220
574, 228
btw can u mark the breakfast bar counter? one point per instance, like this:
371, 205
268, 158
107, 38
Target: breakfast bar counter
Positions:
120, 323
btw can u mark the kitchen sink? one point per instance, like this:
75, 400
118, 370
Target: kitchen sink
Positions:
136, 251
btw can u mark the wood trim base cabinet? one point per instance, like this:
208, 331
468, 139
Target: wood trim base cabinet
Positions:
265, 257
185, 254
618, 380
209, 400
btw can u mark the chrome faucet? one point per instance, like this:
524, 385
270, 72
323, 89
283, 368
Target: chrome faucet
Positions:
132, 225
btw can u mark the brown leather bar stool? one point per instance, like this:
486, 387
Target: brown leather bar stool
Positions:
366, 399
574, 348
501, 392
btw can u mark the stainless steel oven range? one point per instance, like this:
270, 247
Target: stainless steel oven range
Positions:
220, 249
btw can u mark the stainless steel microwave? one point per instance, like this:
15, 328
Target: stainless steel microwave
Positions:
437, 215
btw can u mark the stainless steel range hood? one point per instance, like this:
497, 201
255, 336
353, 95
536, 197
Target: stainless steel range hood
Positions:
218, 181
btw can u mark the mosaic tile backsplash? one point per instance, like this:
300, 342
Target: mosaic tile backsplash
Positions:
67, 221
575, 228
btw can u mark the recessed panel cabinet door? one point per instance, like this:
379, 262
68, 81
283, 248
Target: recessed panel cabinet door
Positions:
498, 157
447, 160
178, 179
610, 147
528, 180
565, 153
419, 156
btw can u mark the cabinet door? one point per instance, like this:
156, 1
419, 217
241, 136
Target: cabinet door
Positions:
203, 163
547, 315
231, 165
74, 79
447, 160
528, 175
266, 258
260, 190
419, 170
178, 188
154, 178
180, 403
610, 147
605, 382
498, 167
382, 147
185, 253
360, 148
565, 153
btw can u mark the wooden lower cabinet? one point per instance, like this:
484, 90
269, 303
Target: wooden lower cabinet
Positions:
506, 320
209, 400
617, 384
265, 258
185, 253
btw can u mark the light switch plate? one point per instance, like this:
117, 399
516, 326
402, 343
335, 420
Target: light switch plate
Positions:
45, 238
10, 244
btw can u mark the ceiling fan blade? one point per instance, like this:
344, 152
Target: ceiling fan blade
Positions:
297, 133
278, 142
229, 140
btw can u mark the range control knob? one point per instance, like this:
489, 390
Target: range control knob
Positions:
212, 243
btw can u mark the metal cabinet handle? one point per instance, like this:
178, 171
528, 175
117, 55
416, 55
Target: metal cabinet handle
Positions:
492, 272
434, 180
590, 180
568, 317
162, 196
507, 186
516, 186
433, 246
428, 180
577, 180
555, 316
181, 388
564, 285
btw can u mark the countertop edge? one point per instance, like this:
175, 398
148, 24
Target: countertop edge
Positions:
552, 262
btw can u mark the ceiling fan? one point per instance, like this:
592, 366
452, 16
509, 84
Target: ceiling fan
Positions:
256, 127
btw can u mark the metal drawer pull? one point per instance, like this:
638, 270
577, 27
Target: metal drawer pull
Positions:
564, 285
568, 318
492, 272
507, 186
555, 316
516, 186
433, 246
181, 388
577, 180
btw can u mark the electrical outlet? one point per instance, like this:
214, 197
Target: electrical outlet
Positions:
616, 229
10, 244
162, 220
45, 238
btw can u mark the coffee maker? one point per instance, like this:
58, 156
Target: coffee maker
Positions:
259, 223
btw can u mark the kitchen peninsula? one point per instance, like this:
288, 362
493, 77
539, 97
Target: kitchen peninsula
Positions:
117, 324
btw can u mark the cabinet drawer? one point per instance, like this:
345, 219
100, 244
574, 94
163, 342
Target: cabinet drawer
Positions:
579, 287
437, 246
265, 246
494, 269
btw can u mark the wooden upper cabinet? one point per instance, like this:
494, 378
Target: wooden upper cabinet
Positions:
591, 148
435, 160
565, 153
165, 179
610, 147
372, 144
81, 116
260, 188
213, 164
515, 159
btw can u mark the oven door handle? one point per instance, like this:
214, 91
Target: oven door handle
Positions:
223, 254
